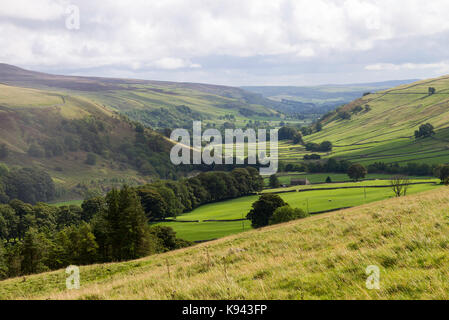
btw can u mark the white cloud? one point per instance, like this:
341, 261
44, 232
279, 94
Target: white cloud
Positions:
177, 34
442, 66
174, 63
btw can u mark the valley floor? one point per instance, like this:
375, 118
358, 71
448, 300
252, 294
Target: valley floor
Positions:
196, 225
321, 257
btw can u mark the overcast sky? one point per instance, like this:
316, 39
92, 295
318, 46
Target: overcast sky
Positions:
232, 42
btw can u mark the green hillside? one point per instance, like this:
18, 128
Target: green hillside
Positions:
321, 257
57, 132
382, 127
158, 104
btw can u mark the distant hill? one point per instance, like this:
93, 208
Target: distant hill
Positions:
318, 99
382, 125
83, 145
159, 104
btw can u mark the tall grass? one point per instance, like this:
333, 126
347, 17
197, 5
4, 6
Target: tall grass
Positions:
322, 257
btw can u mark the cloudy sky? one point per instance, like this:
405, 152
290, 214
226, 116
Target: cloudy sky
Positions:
232, 42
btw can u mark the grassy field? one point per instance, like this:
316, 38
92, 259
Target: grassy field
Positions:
67, 203
386, 132
311, 201
321, 257
285, 178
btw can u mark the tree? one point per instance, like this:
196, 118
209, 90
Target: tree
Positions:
3, 262
128, 235
263, 209
326, 146
345, 115
286, 214
357, 172
82, 245
328, 179
287, 133
91, 207
442, 172
274, 181
33, 252
399, 185
166, 238
154, 205
425, 131
319, 127
431, 91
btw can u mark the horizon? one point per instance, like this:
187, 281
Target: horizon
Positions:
361, 84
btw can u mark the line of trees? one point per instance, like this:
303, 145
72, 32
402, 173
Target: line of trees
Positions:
325, 146
114, 228
333, 165
164, 199
39, 238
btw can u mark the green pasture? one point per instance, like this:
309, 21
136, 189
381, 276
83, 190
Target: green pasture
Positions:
285, 178
313, 201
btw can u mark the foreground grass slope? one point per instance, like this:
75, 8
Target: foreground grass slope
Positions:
322, 257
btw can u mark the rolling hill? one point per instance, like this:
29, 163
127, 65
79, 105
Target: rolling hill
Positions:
382, 126
158, 104
57, 132
321, 257
56, 122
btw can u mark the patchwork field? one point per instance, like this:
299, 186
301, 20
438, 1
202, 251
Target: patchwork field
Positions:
386, 132
311, 201
321, 257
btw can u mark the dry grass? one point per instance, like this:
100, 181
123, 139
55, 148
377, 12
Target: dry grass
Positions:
322, 257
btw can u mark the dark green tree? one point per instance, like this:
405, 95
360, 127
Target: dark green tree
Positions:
153, 203
357, 172
166, 238
274, 181
3, 262
263, 209
34, 250
286, 214
127, 225
91, 207
442, 172
425, 131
